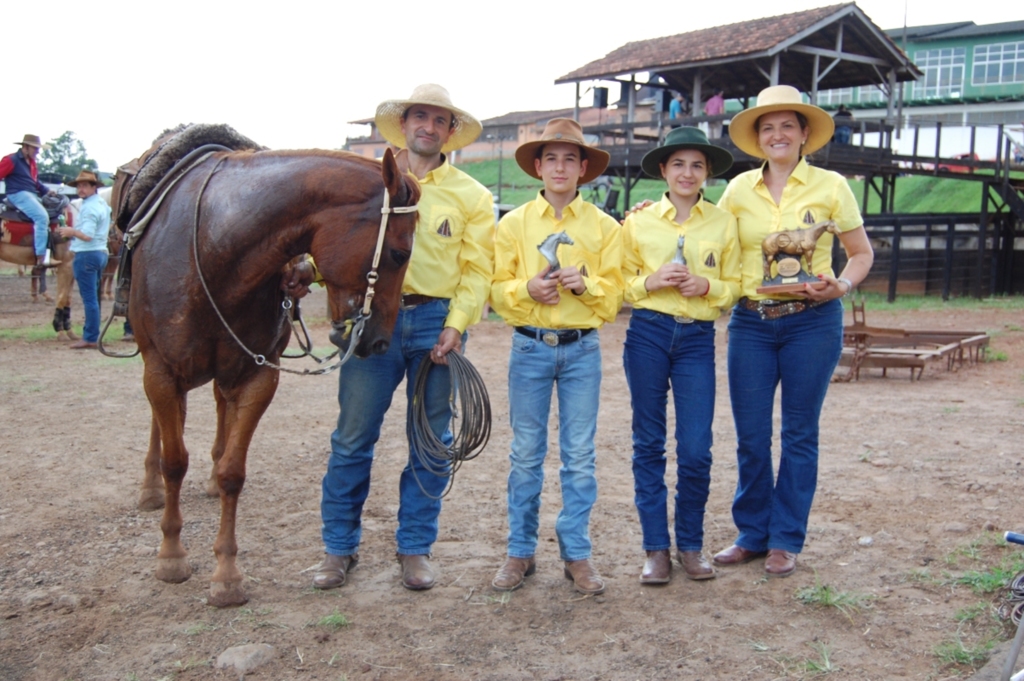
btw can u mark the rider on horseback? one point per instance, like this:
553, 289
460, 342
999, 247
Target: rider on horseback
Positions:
20, 175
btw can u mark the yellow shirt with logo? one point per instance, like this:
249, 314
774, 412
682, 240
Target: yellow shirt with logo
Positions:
650, 239
811, 195
596, 253
453, 252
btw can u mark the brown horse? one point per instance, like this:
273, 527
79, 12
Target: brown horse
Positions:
247, 214
24, 253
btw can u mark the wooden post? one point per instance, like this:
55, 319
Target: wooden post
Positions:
982, 231
947, 265
938, 140
576, 109
894, 264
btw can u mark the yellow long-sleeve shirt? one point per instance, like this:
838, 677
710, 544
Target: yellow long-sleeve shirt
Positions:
453, 253
596, 253
811, 195
649, 240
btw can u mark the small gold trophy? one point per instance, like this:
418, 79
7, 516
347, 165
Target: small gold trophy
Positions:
791, 252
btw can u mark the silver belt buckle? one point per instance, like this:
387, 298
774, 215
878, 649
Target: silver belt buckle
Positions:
550, 338
680, 319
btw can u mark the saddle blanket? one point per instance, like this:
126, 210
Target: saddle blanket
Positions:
21, 233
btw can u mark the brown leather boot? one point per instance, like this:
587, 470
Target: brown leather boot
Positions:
333, 571
513, 573
417, 574
657, 568
695, 565
584, 577
780, 563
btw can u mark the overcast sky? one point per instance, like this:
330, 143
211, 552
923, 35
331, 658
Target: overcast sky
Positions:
292, 74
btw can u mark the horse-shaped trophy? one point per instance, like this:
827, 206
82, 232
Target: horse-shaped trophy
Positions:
206, 302
785, 249
549, 249
679, 258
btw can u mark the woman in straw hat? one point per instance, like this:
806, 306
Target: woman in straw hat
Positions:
681, 266
794, 339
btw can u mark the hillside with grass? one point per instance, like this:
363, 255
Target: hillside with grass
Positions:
914, 194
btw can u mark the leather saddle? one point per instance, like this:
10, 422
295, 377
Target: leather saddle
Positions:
54, 206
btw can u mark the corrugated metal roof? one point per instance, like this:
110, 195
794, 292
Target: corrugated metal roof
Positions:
963, 29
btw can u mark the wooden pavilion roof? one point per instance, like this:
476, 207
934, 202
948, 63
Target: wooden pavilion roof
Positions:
737, 57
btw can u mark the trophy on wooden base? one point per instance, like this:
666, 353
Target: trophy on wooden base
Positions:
791, 252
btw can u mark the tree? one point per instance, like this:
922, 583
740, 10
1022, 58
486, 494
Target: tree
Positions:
65, 157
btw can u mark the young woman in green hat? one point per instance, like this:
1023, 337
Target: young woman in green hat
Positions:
681, 265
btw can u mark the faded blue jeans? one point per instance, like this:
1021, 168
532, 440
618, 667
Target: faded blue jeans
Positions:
660, 352
88, 268
534, 369
365, 390
29, 204
798, 352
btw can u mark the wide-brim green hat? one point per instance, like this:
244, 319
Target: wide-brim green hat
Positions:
685, 137
743, 131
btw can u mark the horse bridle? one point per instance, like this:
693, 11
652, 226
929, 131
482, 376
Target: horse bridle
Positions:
351, 328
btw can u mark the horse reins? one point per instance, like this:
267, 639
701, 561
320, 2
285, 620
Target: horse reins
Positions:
353, 326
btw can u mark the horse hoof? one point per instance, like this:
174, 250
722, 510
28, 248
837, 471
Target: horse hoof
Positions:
47, 297
151, 500
71, 335
227, 594
173, 570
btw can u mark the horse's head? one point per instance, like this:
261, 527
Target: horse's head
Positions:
347, 275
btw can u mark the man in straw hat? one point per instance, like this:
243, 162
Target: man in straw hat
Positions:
556, 312
445, 289
20, 176
89, 244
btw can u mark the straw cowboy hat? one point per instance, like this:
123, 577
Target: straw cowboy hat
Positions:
780, 98
33, 141
685, 137
389, 117
569, 131
86, 176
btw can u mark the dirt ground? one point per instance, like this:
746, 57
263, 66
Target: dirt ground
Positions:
930, 471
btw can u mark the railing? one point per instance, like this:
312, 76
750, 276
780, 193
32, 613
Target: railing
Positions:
950, 254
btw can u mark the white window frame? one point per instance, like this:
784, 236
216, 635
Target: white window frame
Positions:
982, 54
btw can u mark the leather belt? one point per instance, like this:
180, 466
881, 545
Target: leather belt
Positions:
775, 309
411, 300
553, 338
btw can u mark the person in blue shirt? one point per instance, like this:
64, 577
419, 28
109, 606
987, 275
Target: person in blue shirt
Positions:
89, 244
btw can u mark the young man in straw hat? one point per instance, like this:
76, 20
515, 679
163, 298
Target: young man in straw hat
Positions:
445, 289
20, 176
89, 244
555, 315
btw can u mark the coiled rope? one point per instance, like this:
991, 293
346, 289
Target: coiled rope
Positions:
471, 408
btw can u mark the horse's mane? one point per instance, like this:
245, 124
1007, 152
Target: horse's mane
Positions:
178, 142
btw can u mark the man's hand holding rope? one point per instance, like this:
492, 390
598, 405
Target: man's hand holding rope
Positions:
449, 340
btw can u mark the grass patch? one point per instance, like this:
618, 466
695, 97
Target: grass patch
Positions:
995, 356
29, 334
950, 410
335, 620
877, 301
971, 612
199, 628
503, 599
826, 596
955, 651
823, 663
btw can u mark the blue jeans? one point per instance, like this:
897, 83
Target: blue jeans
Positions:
800, 351
88, 268
660, 352
29, 204
533, 370
365, 389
